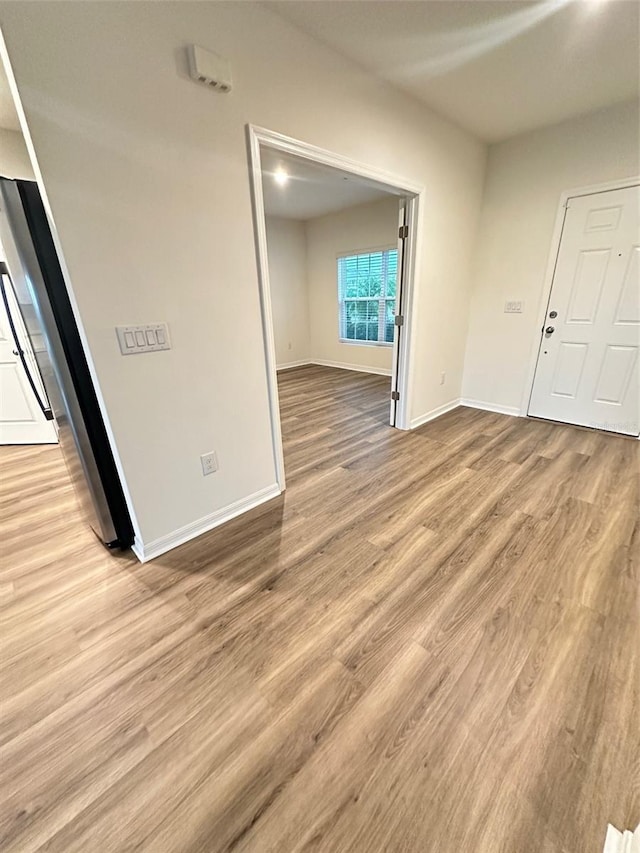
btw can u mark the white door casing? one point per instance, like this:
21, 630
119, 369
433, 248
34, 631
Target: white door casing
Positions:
21, 419
414, 199
588, 367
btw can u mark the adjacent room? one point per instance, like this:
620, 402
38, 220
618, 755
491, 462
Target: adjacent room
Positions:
333, 247
319, 426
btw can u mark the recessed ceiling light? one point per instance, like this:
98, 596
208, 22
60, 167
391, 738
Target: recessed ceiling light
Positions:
280, 177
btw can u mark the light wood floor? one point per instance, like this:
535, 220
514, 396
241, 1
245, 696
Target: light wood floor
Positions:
430, 644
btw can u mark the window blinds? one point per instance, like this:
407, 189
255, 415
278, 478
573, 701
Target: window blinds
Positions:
367, 296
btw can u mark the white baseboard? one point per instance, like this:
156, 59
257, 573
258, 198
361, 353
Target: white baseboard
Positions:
434, 413
146, 551
380, 371
138, 547
359, 368
514, 411
462, 401
291, 364
622, 842
149, 550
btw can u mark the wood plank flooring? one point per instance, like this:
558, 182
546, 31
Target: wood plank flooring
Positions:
430, 643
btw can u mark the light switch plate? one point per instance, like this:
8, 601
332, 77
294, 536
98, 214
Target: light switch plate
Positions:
513, 306
148, 338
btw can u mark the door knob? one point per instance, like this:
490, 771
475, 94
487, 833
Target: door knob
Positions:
549, 330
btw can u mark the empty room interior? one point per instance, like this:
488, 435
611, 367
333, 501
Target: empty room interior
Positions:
332, 261
319, 426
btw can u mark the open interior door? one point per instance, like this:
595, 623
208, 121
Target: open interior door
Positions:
403, 236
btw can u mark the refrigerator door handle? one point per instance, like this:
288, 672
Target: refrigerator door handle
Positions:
46, 409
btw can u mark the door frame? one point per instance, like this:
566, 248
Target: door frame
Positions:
554, 251
414, 194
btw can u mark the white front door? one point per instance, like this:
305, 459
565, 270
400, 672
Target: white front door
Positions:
21, 418
588, 364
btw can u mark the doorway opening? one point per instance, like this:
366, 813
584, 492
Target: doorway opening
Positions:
336, 250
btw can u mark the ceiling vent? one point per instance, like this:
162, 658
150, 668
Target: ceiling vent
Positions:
207, 67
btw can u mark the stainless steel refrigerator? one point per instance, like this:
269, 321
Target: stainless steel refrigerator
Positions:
33, 272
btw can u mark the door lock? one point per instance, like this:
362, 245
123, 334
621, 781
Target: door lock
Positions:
553, 314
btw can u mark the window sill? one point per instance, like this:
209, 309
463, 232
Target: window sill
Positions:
365, 343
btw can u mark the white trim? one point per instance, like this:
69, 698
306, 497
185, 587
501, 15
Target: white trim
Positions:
514, 411
353, 253
260, 228
414, 193
357, 343
434, 413
149, 551
291, 364
288, 144
414, 217
340, 365
545, 294
138, 548
622, 842
359, 368
13, 88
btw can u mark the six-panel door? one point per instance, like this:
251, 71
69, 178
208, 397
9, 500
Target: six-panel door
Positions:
588, 365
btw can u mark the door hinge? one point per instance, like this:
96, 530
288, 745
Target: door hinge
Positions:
403, 232
399, 320
395, 395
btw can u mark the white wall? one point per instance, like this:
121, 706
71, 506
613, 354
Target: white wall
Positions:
367, 226
287, 249
304, 288
525, 178
14, 159
146, 173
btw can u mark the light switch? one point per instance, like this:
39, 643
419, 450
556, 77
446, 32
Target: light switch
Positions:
148, 338
513, 306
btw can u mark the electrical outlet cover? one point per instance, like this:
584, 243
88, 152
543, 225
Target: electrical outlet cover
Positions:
209, 463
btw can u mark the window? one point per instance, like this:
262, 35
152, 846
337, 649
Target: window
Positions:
367, 296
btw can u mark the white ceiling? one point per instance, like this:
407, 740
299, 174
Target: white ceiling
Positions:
496, 68
312, 189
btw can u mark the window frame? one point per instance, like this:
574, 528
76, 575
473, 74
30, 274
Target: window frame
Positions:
382, 300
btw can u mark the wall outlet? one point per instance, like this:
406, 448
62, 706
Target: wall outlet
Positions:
443, 377
513, 306
209, 463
